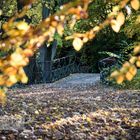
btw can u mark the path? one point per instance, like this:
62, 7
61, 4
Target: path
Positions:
78, 80
65, 110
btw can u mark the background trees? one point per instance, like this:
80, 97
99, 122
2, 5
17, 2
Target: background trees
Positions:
22, 39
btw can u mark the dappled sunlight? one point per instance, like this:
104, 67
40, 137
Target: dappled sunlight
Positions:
37, 47
98, 124
72, 114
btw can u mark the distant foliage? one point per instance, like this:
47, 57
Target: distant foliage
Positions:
21, 40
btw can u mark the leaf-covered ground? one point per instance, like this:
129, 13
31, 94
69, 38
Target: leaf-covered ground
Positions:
52, 113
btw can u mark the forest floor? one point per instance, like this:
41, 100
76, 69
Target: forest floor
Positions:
73, 112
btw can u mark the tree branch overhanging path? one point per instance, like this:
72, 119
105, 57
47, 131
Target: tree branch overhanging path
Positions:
78, 107
20, 33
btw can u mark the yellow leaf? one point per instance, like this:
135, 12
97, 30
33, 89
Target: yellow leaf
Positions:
133, 60
18, 59
96, 28
138, 63
136, 49
123, 70
129, 76
120, 18
28, 52
13, 79
85, 39
115, 8
22, 26
120, 79
135, 4
115, 26
22, 76
10, 71
126, 65
77, 44
133, 70
114, 74
24, 79
8, 83
60, 29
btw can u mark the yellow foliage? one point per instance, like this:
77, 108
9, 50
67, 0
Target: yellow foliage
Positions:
135, 4
129, 76
120, 18
77, 44
115, 26
120, 79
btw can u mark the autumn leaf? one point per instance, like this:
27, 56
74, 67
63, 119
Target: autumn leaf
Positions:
133, 70
136, 49
114, 74
77, 44
135, 4
138, 64
133, 60
115, 26
120, 18
129, 76
13, 79
96, 28
22, 26
60, 29
120, 79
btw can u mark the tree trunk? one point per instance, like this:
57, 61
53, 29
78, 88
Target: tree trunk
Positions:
47, 54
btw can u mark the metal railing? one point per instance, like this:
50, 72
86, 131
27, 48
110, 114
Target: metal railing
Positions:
58, 69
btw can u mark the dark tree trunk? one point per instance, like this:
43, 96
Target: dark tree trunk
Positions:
47, 54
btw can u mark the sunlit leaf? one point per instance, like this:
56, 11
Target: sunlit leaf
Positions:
129, 76
114, 74
77, 44
13, 79
135, 4
120, 18
136, 49
115, 26
138, 64
22, 26
133, 70
133, 60
120, 79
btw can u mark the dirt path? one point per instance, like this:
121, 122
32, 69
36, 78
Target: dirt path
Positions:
72, 109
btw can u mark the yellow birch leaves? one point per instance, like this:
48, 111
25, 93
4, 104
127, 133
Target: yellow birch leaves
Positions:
129, 69
120, 19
